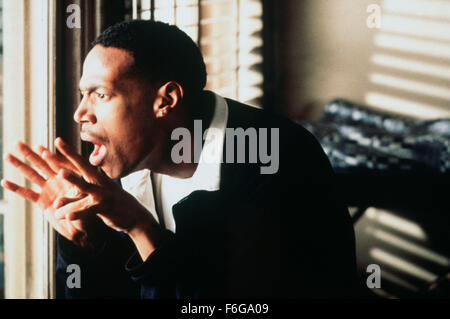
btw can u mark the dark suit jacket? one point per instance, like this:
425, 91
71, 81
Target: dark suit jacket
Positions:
283, 235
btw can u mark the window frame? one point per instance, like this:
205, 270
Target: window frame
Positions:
29, 109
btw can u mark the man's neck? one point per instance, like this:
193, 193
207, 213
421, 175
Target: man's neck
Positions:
202, 110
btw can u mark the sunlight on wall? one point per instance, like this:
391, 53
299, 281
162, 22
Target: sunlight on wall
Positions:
410, 85
409, 247
412, 65
403, 250
399, 263
437, 9
397, 223
414, 39
416, 27
399, 281
411, 45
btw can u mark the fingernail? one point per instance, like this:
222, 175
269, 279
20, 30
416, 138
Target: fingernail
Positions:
59, 141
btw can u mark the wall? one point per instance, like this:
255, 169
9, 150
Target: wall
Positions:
324, 49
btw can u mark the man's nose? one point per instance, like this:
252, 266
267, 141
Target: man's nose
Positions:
83, 113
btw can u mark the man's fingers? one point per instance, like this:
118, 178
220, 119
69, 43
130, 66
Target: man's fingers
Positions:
83, 213
56, 161
22, 191
60, 202
26, 170
79, 182
77, 209
71, 207
77, 160
35, 159
41, 149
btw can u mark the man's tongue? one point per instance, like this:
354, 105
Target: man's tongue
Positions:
98, 155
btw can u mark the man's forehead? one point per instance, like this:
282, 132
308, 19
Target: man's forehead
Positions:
105, 66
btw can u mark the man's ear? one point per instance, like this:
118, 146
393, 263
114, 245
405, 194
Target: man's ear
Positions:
168, 96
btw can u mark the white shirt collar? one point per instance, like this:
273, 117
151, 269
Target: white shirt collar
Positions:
207, 174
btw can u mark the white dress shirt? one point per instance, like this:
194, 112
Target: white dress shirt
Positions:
165, 191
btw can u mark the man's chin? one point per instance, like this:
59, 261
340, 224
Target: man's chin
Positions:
110, 172
119, 171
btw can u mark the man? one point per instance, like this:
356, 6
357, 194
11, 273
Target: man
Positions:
197, 228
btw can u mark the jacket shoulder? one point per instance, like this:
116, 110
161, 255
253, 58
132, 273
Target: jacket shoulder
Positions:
293, 137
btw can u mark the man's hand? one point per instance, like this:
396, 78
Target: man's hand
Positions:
55, 191
104, 198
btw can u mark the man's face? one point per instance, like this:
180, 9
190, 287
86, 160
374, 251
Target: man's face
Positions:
115, 112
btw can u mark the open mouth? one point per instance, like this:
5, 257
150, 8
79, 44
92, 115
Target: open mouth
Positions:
98, 154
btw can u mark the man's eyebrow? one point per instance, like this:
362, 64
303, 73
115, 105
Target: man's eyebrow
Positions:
94, 88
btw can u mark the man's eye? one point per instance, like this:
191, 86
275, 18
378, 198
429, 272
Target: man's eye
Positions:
102, 96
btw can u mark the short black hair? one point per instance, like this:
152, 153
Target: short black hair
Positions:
161, 52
